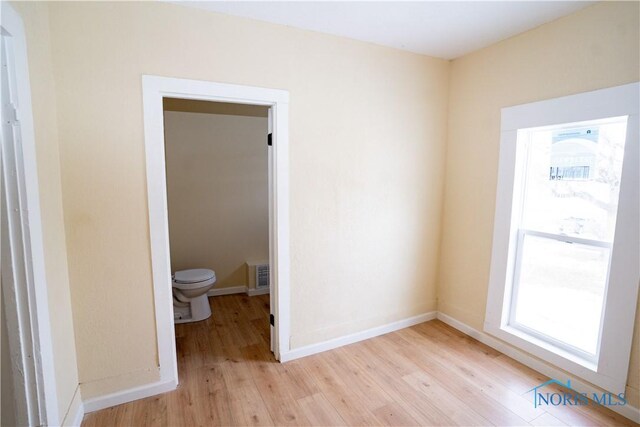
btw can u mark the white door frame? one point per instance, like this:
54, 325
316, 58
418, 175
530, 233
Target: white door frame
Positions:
26, 300
156, 88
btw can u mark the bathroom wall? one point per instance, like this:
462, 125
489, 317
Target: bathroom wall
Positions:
35, 17
595, 48
367, 134
217, 189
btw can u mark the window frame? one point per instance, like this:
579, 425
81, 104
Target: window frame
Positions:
609, 368
521, 234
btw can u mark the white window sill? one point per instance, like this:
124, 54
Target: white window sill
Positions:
547, 346
560, 358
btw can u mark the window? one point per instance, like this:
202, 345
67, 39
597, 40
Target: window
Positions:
569, 205
562, 285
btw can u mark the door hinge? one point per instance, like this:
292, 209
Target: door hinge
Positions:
270, 140
272, 320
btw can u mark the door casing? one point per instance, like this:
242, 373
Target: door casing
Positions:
154, 89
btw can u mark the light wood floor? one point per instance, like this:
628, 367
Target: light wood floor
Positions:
429, 374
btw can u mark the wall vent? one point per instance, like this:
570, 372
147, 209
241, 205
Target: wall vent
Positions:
262, 276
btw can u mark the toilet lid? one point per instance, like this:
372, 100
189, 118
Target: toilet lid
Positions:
193, 276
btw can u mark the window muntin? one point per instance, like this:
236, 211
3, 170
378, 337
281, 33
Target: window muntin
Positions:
568, 207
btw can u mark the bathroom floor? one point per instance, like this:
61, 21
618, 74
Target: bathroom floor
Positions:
239, 323
429, 374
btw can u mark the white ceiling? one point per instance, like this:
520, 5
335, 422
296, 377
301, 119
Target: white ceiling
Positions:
444, 29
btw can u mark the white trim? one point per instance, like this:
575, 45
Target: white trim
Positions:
78, 417
534, 363
37, 286
566, 238
128, 395
252, 292
272, 296
75, 412
603, 103
154, 88
320, 347
279, 257
610, 371
215, 292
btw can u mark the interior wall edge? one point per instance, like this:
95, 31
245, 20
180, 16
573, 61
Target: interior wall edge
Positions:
75, 412
443, 189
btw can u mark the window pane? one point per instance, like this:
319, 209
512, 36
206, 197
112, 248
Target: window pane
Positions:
561, 289
573, 178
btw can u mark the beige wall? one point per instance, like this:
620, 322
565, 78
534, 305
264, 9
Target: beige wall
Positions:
367, 135
36, 22
217, 189
594, 48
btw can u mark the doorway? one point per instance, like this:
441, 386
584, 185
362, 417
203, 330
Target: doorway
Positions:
217, 198
155, 91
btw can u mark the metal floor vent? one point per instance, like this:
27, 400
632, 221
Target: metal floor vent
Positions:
262, 276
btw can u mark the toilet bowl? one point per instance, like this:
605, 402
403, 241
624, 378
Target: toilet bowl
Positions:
190, 301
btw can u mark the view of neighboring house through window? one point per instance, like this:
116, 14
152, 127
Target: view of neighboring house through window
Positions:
564, 276
568, 204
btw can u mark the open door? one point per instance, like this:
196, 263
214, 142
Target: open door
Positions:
272, 293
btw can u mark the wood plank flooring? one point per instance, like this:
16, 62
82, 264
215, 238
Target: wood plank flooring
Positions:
429, 374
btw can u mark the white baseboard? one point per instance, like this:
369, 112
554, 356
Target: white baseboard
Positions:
355, 337
227, 291
75, 412
141, 392
129, 395
77, 420
215, 292
544, 368
257, 291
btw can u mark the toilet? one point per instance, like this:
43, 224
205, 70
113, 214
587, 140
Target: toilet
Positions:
190, 301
